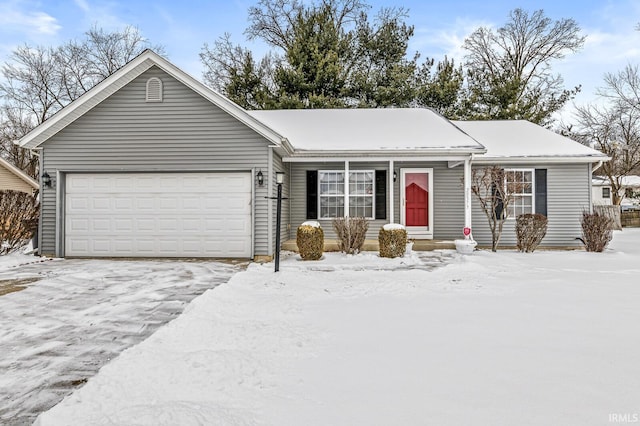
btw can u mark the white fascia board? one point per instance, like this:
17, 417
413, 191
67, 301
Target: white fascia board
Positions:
364, 158
538, 160
444, 154
19, 173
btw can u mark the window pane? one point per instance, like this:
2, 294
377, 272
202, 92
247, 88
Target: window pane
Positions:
331, 207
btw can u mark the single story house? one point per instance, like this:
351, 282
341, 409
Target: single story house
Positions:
12, 178
629, 191
150, 162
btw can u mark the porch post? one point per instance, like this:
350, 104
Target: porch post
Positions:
346, 188
390, 179
467, 193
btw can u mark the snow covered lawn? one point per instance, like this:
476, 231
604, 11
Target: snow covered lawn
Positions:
73, 316
494, 338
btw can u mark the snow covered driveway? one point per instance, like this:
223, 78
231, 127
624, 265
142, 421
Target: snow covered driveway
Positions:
548, 338
76, 315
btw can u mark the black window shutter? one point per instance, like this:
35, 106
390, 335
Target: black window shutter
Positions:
312, 194
498, 202
541, 191
381, 194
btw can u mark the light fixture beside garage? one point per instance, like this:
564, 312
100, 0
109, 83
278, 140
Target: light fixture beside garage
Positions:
279, 178
46, 180
260, 178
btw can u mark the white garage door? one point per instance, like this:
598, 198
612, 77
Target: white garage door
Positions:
158, 215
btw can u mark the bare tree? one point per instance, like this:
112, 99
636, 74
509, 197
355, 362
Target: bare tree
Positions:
274, 21
623, 87
614, 128
39, 81
495, 191
509, 70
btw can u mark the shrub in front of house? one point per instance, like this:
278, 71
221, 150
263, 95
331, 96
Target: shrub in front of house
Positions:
310, 241
19, 213
530, 230
596, 231
351, 233
392, 240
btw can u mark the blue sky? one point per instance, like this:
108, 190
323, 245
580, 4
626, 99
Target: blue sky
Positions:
440, 28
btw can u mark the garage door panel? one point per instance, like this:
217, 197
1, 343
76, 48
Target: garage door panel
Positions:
153, 214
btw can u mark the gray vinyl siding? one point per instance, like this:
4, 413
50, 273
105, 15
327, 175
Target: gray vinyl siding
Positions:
448, 197
185, 132
280, 166
568, 194
299, 195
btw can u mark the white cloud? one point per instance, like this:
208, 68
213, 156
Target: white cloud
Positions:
82, 4
438, 42
100, 13
13, 18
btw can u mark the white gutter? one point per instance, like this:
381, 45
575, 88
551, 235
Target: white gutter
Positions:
381, 157
534, 160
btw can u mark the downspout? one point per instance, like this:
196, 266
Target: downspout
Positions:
40, 197
467, 191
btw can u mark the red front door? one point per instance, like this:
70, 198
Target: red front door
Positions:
417, 199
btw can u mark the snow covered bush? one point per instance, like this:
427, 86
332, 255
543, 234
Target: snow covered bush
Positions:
310, 240
351, 232
392, 241
596, 231
530, 230
18, 219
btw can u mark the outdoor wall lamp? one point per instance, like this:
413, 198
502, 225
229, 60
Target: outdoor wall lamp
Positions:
279, 178
260, 178
46, 180
395, 176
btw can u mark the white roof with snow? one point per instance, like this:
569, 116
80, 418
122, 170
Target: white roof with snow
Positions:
379, 130
627, 181
520, 139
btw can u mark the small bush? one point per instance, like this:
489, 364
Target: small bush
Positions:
351, 233
18, 219
596, 231
530, 230
393, 242
310, 241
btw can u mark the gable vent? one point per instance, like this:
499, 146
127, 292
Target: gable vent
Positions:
154, 90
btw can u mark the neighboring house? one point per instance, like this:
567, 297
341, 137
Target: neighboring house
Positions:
151, 162
629, 191
15, 179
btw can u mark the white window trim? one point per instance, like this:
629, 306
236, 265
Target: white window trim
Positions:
533, 188
346, 193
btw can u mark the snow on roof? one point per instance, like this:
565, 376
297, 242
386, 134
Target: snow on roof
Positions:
366, 129
627, 181
523, 139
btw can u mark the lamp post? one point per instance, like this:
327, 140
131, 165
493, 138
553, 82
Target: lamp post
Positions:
279, 181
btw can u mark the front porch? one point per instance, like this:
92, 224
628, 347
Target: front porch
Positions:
372, 245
